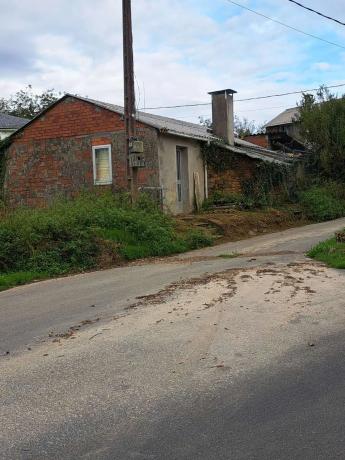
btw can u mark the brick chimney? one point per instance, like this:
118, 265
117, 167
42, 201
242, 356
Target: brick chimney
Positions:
223, 114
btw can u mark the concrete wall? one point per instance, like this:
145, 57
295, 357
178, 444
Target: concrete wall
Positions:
167, 145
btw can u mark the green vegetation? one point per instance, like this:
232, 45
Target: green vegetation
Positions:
324, 202
331, 252
86, 233
322, 121
26, 103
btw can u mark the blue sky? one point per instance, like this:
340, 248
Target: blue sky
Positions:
183, 50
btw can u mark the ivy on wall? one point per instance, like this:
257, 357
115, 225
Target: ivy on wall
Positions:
269, 180
217, 157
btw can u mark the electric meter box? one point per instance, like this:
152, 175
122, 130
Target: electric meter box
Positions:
136, 160
136, 146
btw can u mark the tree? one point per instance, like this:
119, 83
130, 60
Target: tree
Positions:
322, 121
242, 127
27, 104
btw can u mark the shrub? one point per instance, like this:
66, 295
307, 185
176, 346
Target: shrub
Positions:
70, 235
195, 239
324, 202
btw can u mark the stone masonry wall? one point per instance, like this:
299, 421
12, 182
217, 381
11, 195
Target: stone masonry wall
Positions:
230, 180
52, 157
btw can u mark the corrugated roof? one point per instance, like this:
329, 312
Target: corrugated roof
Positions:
11, 122
198, 132
287, 117
171, 125
184, 129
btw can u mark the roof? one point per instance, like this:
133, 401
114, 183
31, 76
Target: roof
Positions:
170, 125
185, 129
11, 122
198, 132
287, 117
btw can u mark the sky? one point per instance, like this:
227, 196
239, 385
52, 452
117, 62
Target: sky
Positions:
183, 50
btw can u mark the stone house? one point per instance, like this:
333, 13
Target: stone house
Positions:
77, 144
9, 124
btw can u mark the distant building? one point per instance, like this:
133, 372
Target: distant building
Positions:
9, 124
260, 140
283, 132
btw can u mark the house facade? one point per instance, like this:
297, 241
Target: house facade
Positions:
78, 144
9, 124
283, 132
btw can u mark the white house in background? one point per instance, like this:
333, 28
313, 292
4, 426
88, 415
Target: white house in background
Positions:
9, 124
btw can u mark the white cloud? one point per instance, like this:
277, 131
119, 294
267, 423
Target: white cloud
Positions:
183, 49
322, 66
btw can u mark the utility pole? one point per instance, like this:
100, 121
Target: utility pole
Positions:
129, 92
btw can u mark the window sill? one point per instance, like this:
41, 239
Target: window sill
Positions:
103, 183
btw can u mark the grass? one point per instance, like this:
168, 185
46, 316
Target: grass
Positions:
87, 233
9, 280
330, 252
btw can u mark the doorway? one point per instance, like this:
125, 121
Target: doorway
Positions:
182, 179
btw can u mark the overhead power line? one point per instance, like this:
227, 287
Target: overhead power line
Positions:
317, 12
243, 100
287, 25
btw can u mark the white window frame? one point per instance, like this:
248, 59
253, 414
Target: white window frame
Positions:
94, 149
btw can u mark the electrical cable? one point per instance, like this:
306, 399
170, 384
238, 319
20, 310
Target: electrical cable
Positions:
286, 25
243, 100
317, 12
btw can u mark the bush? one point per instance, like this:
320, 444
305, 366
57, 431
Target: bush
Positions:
324, 202
195, 239
70, 235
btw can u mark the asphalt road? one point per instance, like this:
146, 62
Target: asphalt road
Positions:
292, 410
245, 362
30, 313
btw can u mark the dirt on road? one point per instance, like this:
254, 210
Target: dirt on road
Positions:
191, 337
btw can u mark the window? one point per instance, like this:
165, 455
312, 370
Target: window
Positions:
102, 171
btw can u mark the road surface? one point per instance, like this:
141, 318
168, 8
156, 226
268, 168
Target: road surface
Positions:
199, 356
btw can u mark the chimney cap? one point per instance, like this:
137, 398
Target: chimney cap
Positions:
223, 91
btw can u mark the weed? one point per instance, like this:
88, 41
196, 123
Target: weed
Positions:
71, 236
330, 252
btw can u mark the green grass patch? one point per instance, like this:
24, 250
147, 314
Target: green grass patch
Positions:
73, 236
330, 252
9, 280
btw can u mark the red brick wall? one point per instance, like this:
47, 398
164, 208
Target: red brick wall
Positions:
230, 180
259, 139
53, 156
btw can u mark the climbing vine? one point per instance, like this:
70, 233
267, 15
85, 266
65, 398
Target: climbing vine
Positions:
217, 157
270, 181
2, 167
